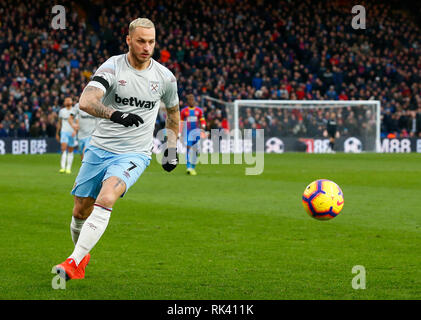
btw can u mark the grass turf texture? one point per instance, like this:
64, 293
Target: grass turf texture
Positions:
221, 234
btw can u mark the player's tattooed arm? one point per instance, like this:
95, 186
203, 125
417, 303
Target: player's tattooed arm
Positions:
90, 102
172, 125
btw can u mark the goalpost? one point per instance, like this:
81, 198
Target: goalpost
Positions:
358, 121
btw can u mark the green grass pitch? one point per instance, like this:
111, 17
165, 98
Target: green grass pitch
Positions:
220, 234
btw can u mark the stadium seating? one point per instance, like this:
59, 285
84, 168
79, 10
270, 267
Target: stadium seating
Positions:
228, 50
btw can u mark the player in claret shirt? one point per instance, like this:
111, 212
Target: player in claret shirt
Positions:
125, 93
193, 122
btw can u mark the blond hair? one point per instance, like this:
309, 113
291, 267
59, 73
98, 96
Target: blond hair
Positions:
140, 22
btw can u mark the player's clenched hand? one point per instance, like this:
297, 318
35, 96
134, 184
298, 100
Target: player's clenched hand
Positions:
170, 159
126, 119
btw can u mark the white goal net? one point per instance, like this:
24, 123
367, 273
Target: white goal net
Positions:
305, 125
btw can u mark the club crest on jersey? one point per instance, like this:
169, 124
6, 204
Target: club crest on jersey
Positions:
122, 82
154, 86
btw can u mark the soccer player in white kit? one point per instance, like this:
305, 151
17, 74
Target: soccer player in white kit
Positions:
125, 92
86, 123
66, 135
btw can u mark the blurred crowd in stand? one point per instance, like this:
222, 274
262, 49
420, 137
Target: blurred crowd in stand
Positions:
287, 50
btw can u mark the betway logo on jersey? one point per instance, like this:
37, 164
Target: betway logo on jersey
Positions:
133, 101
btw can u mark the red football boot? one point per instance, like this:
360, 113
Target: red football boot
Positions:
69, 270
82, 265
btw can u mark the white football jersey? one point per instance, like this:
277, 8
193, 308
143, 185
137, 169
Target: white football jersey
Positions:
132, 91
63, 116
87, 122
